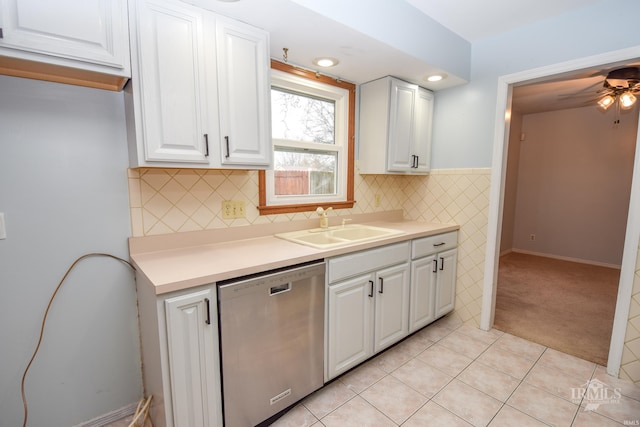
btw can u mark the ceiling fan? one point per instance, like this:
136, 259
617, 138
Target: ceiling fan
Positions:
620, 85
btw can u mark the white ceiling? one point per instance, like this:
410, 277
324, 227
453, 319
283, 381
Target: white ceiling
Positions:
307, 34
477, 19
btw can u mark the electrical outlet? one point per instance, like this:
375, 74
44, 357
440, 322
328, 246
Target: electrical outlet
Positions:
532, 237
377, 201
3, 228
227, 209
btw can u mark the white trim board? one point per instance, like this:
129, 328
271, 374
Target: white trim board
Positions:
111, 417
496, 199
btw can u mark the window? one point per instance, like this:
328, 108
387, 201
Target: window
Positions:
312, 132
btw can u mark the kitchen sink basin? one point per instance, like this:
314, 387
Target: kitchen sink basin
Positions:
341, 235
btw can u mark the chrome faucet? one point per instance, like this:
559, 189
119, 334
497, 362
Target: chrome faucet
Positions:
322, 213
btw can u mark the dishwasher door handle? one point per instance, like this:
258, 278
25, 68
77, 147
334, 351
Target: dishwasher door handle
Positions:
275, 290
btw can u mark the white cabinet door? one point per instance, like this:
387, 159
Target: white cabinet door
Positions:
422, 131
244, 94
193, 358
423, 289
93, 31
395, 127
391, 306
401, 126
446, 282
350, 324
173, 62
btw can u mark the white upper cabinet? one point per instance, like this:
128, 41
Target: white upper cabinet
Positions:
244, 93
395, 127
172, 84
82, 42
199, 94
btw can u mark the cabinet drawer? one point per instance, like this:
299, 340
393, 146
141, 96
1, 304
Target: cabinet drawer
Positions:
368, 260
432, 244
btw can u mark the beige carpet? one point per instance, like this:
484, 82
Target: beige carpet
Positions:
563, 305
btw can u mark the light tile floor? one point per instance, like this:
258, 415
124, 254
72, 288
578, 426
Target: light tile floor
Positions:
450, 374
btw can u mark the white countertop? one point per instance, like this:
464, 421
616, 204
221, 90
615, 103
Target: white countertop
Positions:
180, 261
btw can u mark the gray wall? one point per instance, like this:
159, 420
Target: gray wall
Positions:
573, 177
464, 117
63, 189
574, 183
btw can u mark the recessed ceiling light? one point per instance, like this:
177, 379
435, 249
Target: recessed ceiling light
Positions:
325, 62
435, 77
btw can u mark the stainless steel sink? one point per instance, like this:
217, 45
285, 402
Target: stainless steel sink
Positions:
341, 235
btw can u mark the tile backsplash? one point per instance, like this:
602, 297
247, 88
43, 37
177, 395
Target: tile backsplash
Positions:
178, 200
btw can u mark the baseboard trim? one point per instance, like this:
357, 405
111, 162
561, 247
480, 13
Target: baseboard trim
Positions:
111, 417
505, 252
564, 258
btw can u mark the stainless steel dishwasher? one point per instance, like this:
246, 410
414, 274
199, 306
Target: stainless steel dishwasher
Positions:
271, 341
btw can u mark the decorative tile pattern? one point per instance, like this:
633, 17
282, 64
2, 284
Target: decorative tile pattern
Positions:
459, 196
630, 369
177, 200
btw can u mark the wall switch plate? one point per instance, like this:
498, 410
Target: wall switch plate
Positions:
233, 209
3, 227
239, 209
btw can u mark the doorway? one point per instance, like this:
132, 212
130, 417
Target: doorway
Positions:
567, 188
501, 144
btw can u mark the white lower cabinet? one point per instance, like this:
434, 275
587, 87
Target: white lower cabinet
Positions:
433, 278
180, 357
350, 324
368, 305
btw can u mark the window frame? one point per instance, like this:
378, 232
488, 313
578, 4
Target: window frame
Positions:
348, 149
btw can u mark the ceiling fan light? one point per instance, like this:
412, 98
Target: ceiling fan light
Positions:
606, 102
627, 100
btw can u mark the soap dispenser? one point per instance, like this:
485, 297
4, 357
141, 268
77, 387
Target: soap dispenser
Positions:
322, 213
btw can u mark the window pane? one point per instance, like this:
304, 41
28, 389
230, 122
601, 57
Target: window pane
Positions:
304, 173
302, 118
